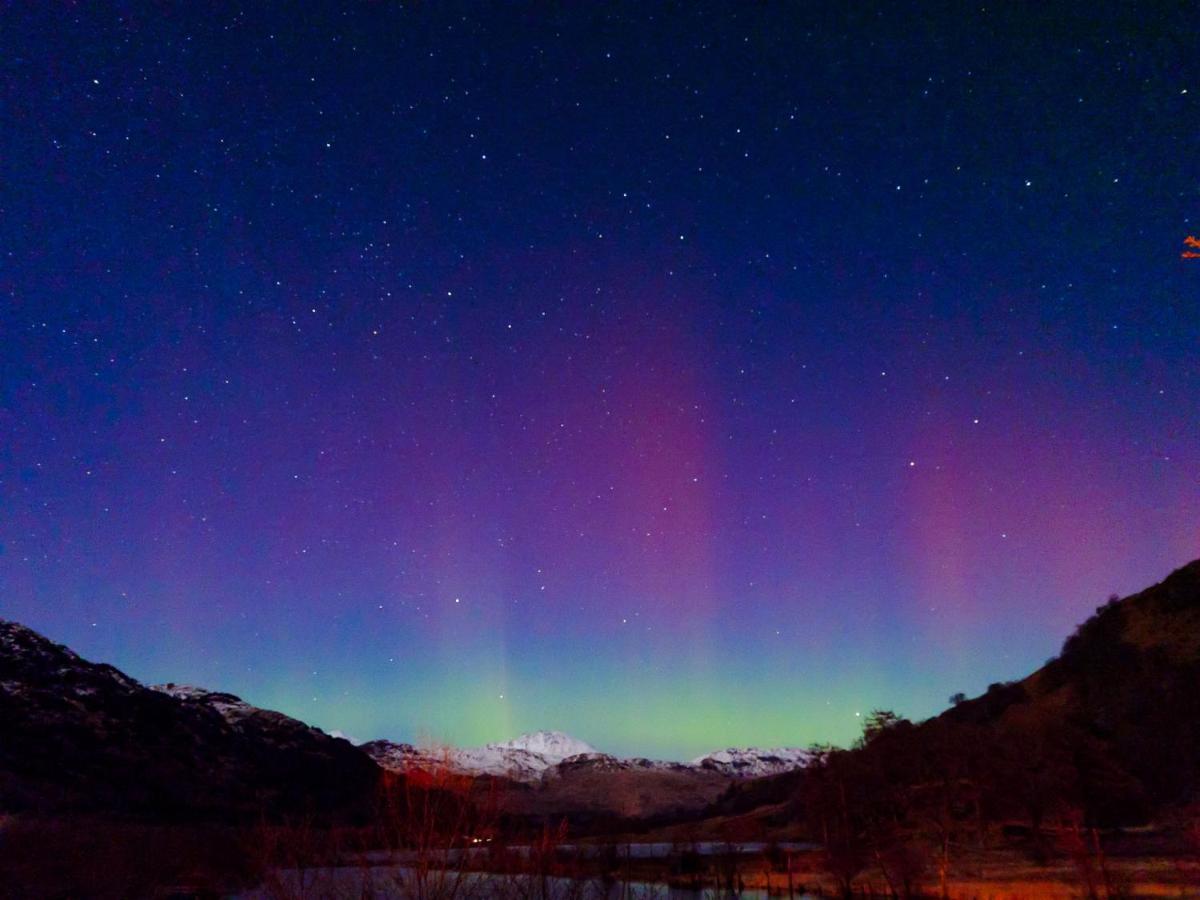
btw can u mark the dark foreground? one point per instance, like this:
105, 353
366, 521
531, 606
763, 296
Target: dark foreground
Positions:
123, 861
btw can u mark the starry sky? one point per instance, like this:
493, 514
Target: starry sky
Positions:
678, 376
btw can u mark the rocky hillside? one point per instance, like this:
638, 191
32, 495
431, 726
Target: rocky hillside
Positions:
83, 736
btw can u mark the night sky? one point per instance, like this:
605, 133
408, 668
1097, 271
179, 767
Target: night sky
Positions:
675, 376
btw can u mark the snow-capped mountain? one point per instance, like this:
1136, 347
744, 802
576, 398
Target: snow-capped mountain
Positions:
553, 746
752, 762
525, 758
544, 755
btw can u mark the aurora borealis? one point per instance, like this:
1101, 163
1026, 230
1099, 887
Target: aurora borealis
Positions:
676, 377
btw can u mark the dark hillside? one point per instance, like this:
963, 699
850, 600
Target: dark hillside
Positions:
1128, 680
1106, 734
85, 737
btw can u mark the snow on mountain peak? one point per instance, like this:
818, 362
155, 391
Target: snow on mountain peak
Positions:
553, 746
752, 762
525, 758
539, 755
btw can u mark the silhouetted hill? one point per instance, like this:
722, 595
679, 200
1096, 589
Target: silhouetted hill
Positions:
1129, 679
81, 736
1106, 733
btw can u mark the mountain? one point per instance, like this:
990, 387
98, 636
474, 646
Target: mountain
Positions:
752, 762
496, 760
84, 736
553, 746
510, 759
525, 758
544, 755
550, 774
